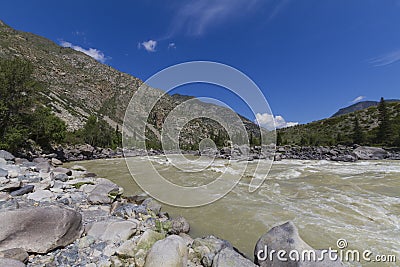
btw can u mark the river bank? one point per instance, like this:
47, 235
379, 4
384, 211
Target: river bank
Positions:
333, 153
55, 216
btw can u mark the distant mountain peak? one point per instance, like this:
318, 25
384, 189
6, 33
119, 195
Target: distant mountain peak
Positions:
360, 106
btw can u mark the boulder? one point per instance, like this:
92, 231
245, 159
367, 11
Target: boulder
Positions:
169, 252
40, 229
5, 262
6, 155
115, 230
61, 177
63, 170
41, 195
285, 237
23, 190
10, 186
3, 173
179, 225
103, 193
152, 205
230, 258
368, 153
345, 158
43, 167
15, 253
56, 162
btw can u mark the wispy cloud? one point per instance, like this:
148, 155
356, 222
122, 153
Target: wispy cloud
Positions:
92, 52
196, 17
268, 121
171, 46
386, 59
358, 99
149, 45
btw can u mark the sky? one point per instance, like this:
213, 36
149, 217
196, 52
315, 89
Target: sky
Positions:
309, 58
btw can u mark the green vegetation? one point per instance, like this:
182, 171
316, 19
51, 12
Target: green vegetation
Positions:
374, 126
23, 117
96, 132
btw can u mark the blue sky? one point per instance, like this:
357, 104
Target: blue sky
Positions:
310, 58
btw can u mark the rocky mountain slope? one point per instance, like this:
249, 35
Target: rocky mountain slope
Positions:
80, 86
338, 129
360, 106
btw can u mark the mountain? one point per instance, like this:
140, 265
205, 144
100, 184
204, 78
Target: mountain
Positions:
339, 129
80, 86
360, 106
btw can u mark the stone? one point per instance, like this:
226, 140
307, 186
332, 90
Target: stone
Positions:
23, 190
10, 186
148, 238
56, 162
345, 158
286, 237
6, 155
370, 153
179, 225
63, 170
127, 249
230, 258
61, 177
4, 262
152, 205
103, 193
39, 160
15, 253
41, 195
3, 173
40, 229
43, 167
112, 230
169, 252
78, 168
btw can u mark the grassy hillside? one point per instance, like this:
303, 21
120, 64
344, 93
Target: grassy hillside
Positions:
340, 129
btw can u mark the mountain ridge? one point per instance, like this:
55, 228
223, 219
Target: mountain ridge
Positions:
80, 86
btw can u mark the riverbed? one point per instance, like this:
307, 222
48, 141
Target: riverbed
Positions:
327, 201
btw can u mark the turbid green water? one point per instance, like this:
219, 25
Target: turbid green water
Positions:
359, 202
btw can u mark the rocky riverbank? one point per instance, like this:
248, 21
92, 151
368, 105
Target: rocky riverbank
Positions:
335, 153
53, 216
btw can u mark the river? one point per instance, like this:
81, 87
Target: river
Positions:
327, 201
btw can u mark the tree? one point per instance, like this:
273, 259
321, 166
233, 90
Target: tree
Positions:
45, 128
278, 139
358, 134
383, 133
16, 91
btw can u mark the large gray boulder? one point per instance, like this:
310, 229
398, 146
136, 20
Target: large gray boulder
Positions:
230, 258
5, 262
367, 153
6, 155
112, 230
103, 193
286, 238
40, 229
169, 252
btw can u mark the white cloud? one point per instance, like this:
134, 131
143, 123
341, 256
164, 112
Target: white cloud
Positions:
92, 52
358, 99
171, 46
195, 17
150, 45
387, 59
268, 121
